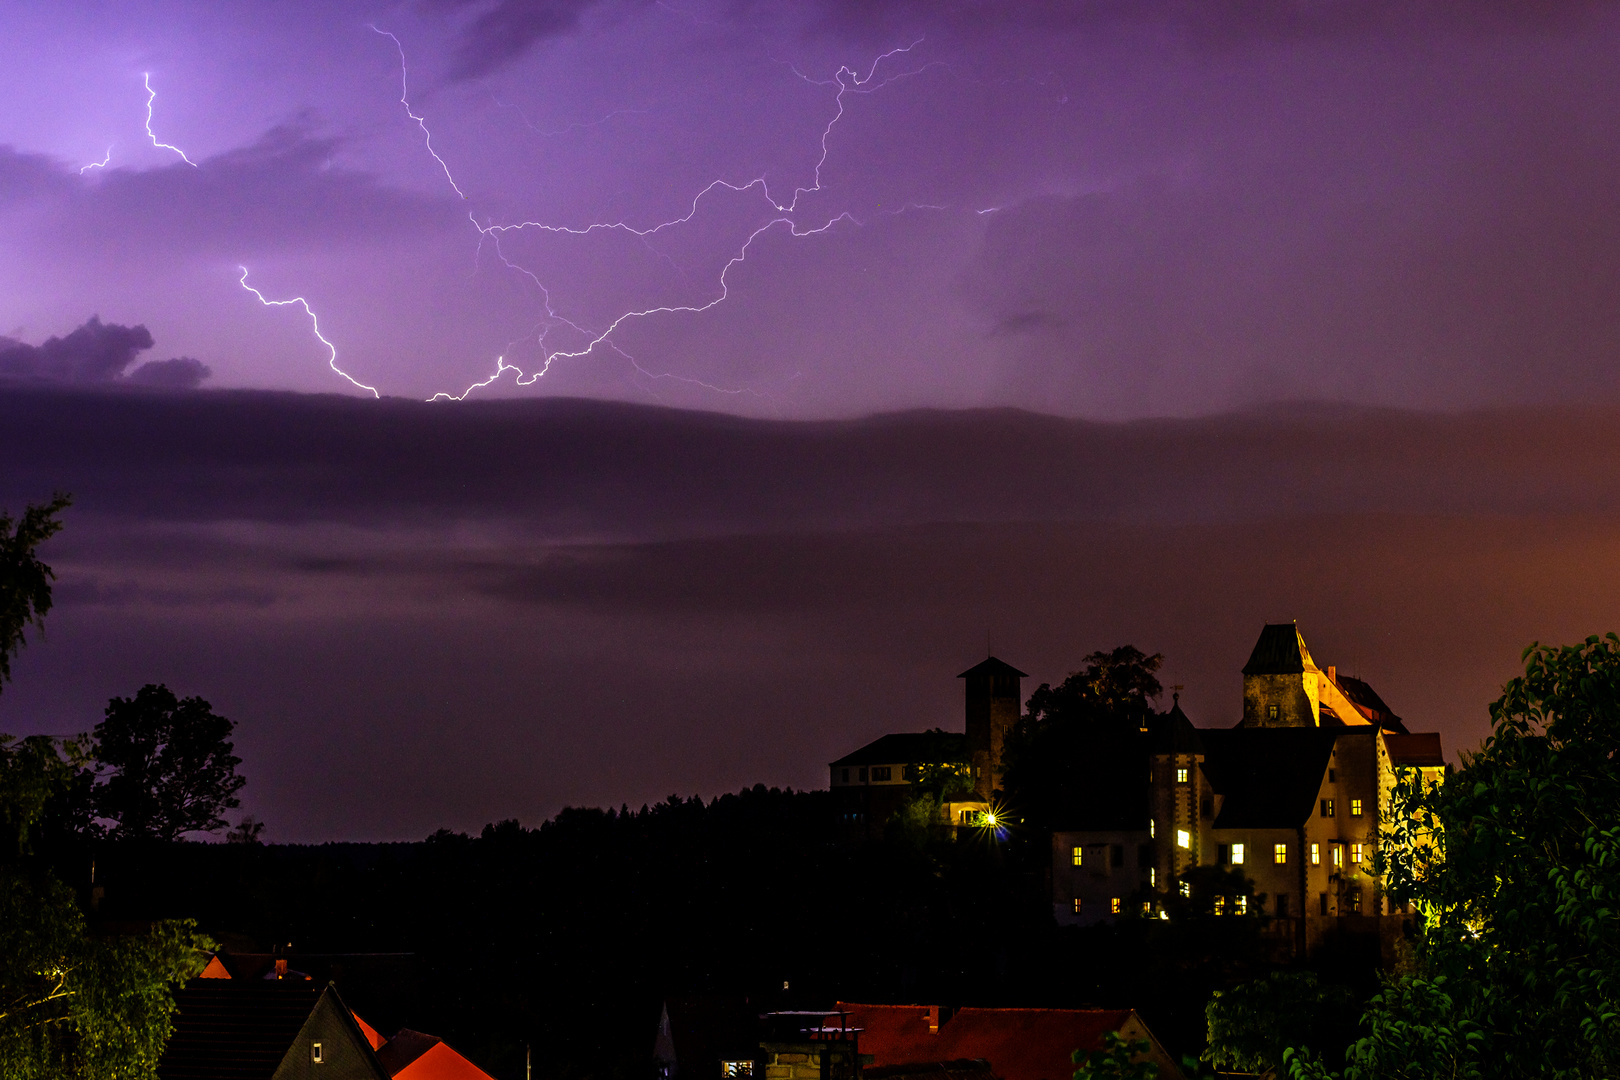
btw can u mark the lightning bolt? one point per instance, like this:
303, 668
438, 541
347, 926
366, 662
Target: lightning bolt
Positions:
314, 323
848, 80
421, 122
102, 164
151, 96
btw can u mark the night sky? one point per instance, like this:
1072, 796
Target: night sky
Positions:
828, 342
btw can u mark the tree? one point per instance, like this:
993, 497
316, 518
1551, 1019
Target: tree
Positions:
1252, 1024
173, 767
74, 1005
25, 582
1119, 1059
1073, 755
1513, 865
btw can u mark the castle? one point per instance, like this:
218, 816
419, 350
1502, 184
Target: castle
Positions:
1292, 795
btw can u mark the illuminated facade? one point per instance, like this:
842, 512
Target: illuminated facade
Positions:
1292, 797
871, 784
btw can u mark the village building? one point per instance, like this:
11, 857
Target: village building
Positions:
1293, 796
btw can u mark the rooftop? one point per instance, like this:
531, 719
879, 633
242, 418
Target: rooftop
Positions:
910, 747
1280, 651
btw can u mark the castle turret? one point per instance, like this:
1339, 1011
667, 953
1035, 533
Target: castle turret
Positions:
994, 703
1281, 683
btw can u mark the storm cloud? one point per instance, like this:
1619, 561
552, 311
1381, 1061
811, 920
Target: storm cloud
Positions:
98, 353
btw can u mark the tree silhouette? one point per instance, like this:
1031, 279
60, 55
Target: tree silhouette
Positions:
173, 767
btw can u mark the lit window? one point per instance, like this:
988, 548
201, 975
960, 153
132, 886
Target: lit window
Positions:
1077, 905
1153, 877
1186, 889
1327, 807
1271, 712
736, 1068
880, 774
1355, 807
1153, 829
1338, 855
1079, 855
1220, 905
1237, 854
315, 1053
1183, 838
1279, 853
1181, 776
1355, 852
1243, 905
1316, 854
1113, 905
1355, 900
1147, 907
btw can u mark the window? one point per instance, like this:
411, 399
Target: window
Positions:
736, 1068
1079, 855
1355, 853
1316, 854
1271, 712
1077, 905
1220, 905
1237, 854
1183, 839
1327, 807
1181, 776
1113, 905
1279, 854
1223, 854
1338, 855
880, 774
1153, 829
1153, 877
1355, 807
1333, 776
1145, 855
1118, 853
1282, 905
315, 1054
1355, 900
1243, 905
1323, 899
1147, 907
1186, 889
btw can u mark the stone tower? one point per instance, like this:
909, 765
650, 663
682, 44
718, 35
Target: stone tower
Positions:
994, 702
1282, 685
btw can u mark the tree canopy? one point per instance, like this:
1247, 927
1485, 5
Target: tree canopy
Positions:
25, 581
173, 770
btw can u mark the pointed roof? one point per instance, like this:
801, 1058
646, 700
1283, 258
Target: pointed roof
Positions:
1280, 651
1173, 733
993, 666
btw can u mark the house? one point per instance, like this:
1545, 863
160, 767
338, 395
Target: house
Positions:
226, 1029
1013, 1044
871, 784
1292, 796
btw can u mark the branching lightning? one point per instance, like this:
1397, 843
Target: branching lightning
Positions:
151, 96
314, 323
785, 215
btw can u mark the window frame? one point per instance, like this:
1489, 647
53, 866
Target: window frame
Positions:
1279, 854
1238, 852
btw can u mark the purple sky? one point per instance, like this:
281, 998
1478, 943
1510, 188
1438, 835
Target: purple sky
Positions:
1153, 226
1103, 209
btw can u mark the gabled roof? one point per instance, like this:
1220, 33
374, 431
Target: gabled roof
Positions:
226, 1029
1019, 1044
1280, 651
993, 666
412, 1055
1367, 702
908, 748
1415, 751
1269, 777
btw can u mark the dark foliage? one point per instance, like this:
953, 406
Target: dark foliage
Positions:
25, 581
172, 769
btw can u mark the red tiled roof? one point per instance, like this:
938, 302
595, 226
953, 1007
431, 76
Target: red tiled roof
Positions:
1019, 1044
1422, 750
411, 1055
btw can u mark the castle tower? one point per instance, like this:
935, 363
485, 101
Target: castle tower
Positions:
1282, 685
994, 702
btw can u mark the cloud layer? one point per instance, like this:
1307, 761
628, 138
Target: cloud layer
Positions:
98, 353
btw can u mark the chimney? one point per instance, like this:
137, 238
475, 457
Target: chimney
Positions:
1333, 675
281, 967
933, 1019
